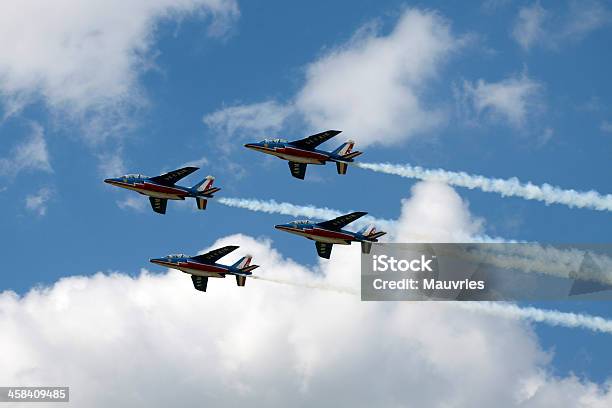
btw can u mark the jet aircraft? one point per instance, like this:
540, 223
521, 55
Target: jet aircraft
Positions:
327, 233
162, 188
202, 267
303, 152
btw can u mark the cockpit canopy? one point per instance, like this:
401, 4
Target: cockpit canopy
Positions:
274, 141
297, 222
176, 256
133, 176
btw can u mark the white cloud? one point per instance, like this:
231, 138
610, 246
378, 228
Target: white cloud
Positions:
437, 212
585, 17
258, 119
38, 202
606, 126
546, 136
111, 164
538, 26
84, 58
202, 161
513, 99
31, 154
272, 345
137, 203
528, 28
373, 87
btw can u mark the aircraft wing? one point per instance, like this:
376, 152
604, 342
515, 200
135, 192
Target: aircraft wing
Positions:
313, 141
323, 249
199, 282
298, 170
170, 178
158, 204
341, 221
215, 254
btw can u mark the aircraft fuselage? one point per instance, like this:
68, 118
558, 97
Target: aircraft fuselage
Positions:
154, 189
196, 268
294, 154
326, 236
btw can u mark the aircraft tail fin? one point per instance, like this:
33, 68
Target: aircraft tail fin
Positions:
345, 151
205, 186
371, 234
244, 264
344, 148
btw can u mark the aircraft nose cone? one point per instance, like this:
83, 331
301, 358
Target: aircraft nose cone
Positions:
280, 227
156, 261
250, 145
108, 180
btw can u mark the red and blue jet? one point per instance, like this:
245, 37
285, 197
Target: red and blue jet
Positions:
327, 233
303, 152
202, 267
162, 188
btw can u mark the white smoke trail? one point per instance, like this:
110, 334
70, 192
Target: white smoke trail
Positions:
309, 211
550, 317
564, 263
274, 207
506, 187
321, 286
499, 309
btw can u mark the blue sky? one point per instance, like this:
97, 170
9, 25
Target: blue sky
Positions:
556, 128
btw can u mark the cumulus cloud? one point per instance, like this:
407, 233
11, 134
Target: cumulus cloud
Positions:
437, 212
84, 58
37, 202
271, 345
537, 26
373, 87
30, 154
514, 99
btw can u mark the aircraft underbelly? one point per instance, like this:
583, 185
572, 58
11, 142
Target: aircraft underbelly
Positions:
199, 272
157, 191
130, 187
157, 194
299, 159
325, 239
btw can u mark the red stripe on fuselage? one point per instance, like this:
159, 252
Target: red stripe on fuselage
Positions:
203, 267
302, 153
161, 189
319, 232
